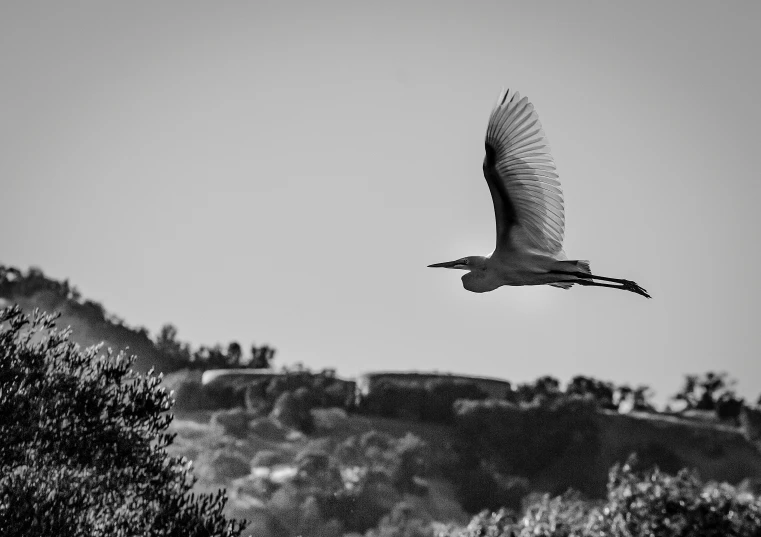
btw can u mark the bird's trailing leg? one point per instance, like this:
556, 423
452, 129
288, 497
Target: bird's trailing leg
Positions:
586, 279
582, 281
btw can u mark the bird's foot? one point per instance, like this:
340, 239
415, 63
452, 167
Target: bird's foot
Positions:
634, 288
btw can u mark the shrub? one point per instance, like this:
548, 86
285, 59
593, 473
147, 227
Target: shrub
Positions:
729, 407
432, 401
411, 459
293, 410
394, 399
83, 443
655, 503
647, 502
403, 521
234, 422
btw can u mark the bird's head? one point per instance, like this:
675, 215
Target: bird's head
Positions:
473, 262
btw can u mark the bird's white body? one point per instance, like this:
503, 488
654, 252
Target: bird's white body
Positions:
528, 208
522, 268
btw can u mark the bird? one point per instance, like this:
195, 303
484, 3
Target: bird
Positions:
528, 208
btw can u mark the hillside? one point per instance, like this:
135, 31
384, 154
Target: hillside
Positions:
278, 478
89, 321
717, 452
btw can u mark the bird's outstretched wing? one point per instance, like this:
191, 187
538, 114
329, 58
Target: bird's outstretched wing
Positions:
520, 172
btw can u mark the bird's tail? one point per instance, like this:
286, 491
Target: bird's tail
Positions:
576, 265
583, 266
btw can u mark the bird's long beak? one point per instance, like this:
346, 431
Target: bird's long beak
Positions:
446, 264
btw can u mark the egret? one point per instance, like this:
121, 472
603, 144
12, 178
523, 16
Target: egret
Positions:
528, 208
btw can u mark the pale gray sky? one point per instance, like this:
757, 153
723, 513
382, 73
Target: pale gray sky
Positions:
283, 172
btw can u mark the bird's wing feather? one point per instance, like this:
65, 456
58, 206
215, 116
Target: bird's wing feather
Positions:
520, 172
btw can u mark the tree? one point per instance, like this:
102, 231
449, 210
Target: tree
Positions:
639, 398
217, 358
702, 392
234, 353
83, 443
602, 392
168, 344
729, 406
261, 357
544, 388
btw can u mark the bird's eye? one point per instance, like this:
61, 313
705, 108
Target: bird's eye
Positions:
463, 261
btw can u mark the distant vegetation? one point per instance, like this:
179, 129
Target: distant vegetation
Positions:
166, 352
638, 503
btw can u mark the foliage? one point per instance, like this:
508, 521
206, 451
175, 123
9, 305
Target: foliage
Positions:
166, 352
323, 387
711, 391
638, 503
83, 443
261, 357
700, 392
403, 521
480, 486
544, 389
603, 393
656, 503
320, 389
293, 409
500, 445
638, 399
431, 401
350, 485
523, 440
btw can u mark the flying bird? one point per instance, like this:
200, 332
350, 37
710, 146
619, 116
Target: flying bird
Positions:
529, 211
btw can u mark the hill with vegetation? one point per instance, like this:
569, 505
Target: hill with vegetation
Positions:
92, 324
413, 455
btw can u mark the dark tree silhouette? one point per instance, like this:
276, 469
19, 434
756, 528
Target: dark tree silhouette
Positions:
234, 353
168, 344
639, 397
702, 392
602, 392
544, 388
261, 357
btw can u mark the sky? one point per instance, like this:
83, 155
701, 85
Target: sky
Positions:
284, 172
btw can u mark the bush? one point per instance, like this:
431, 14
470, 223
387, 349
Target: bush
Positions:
393, 399
234, 422
647, 502
324, 389
655, 503
432, 401
729, 407
403, 521
83, 443
293, 410
319, 390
